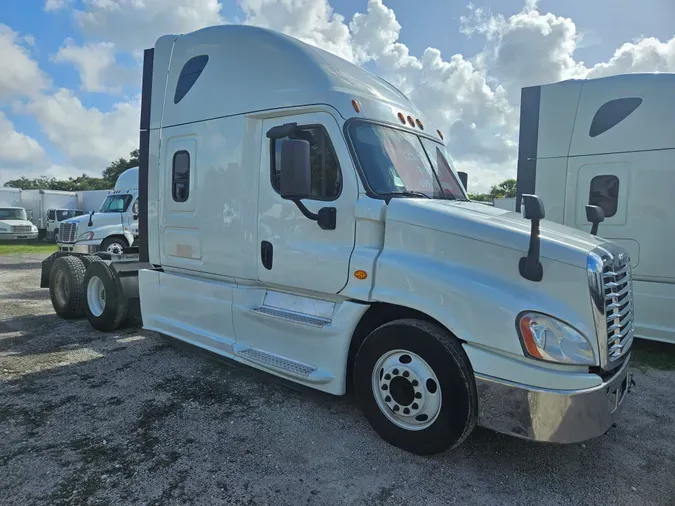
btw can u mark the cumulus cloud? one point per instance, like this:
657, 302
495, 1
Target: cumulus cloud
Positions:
473, 99
97, 65
17, 150
56, 5
20, 75
89, 138
134, 25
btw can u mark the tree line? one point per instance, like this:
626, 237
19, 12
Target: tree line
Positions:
83, 182
505, 189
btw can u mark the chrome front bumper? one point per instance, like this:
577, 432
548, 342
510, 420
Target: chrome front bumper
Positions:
18, 236
553, 416
86, 248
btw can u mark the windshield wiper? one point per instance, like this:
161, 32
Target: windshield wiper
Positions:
406, 193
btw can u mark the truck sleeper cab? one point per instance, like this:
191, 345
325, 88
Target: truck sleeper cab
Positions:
305, 218
610, 142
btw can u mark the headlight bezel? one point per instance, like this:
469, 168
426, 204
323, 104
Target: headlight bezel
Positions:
86, 236
556, 353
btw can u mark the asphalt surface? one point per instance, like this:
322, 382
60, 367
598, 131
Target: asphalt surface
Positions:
136, 418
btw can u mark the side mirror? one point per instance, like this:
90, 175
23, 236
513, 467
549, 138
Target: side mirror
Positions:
532, 209
91, 223
596, 215
464, 178
295, 180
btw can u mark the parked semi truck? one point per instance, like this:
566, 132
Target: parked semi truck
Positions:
300, 215
15, 226
610, 142
108, 229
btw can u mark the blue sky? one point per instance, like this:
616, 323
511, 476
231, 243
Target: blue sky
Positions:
603, 25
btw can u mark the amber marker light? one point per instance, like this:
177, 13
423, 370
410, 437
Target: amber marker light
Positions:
355, 104
360, 274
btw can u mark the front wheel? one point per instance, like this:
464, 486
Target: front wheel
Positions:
113, 245
416, 387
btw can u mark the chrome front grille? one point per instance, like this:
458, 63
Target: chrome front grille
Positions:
609, 277
618, 307
68, 232
21, 229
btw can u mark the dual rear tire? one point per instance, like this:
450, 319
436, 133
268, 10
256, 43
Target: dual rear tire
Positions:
85, 286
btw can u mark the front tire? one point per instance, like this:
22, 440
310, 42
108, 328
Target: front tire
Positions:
416, 387
66, 280
113, 245
106, 306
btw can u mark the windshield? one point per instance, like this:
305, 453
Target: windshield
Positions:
65, 214
400, 163
115, 204
12, 214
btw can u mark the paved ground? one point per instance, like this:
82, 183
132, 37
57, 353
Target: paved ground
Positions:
134, 418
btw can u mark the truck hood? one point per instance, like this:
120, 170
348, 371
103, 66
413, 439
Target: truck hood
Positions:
15, 223
99, 219
494, 226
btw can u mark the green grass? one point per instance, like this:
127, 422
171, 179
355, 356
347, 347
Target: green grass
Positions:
653, 354
26, 248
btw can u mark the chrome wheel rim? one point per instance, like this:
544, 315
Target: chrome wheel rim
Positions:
96, 296
115, 248
406, 390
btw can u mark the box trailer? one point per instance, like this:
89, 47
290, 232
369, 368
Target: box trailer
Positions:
10, 197
301, 216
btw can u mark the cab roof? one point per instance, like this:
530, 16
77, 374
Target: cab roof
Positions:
228, 70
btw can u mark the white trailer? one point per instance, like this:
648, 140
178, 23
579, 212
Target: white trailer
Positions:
610, 142
508, 203
301, 216
91, 200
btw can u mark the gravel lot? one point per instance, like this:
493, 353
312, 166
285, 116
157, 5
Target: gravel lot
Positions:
136, 418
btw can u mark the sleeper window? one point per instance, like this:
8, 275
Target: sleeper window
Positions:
325, 169
180, 180
605, 193
51, 215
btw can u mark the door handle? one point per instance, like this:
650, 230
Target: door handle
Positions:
266, 254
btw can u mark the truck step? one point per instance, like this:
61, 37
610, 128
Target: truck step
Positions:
282, 364
292, 316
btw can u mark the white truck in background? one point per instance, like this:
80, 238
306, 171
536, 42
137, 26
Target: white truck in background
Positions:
15, 225
10, 197
42, 206
301, 216
108, 229
610, 142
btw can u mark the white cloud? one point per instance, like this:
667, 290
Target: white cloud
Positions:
97, 65
89, 139
473, 99
17, 150
312, 21
55, 5
20, 75
645, 55
134, 25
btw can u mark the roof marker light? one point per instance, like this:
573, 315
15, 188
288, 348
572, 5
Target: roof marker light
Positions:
419, 124
440, 134
411, 121
355, 104
401, 117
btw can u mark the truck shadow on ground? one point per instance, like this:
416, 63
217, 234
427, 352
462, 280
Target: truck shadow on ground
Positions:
134, 416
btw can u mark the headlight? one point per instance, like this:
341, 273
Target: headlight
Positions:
87, 236
546, 338
33, 228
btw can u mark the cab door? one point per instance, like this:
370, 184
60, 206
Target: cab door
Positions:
294, 251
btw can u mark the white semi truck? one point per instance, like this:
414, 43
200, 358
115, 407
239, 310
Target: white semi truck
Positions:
110, 228
15, 225
610, 142
301, 216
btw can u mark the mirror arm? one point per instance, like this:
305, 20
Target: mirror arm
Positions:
306, 212
325, 218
